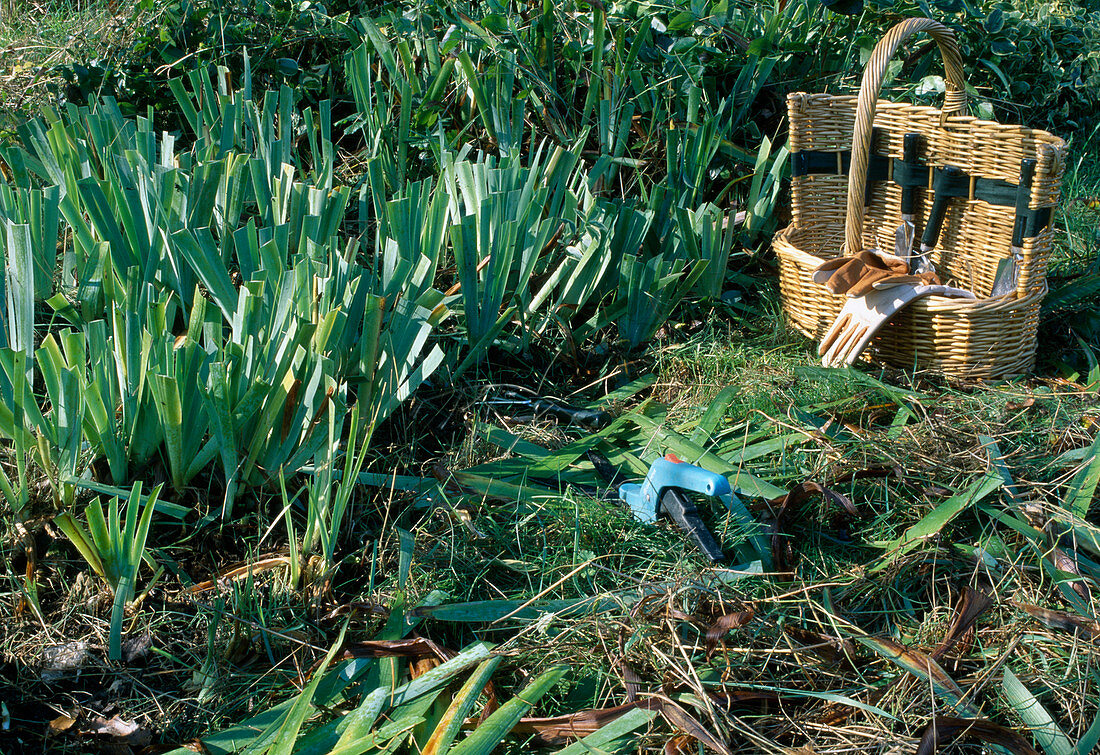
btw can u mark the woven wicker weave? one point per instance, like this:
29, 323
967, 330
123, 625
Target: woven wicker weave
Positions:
989, 338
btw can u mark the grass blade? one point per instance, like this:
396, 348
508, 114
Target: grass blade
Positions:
441, 674
1091, 738
1083, 487
486, 737
1043, 727
921, 666
460, 707
358, 723
287, 733
614, 737
20, 290
77, 537
939, 518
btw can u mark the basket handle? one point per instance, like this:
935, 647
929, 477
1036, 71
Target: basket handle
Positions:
954, 103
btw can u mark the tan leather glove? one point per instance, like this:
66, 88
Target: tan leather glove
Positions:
859, 272
891, 281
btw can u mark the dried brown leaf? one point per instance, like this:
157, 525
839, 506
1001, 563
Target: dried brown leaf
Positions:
355, 609
837, 715
58, 661
1063, 561
679, 615
946, 729
120, 730
875, 470
60, 724
631, 681
415, 647
558, 729
680, 745
421, 666
917, 663
972, 603
1066, 622
831, 649
681, 719
803, 490
237, 572
136, 648
492, 702
724, 624
289, 409
782, 551
930, 489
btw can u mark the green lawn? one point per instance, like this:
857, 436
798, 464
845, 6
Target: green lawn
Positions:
323, 322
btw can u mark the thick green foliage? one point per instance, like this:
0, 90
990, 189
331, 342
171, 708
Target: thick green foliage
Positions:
214, 312
1038, 62
330, 206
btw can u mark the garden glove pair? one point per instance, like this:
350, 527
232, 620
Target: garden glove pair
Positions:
877, 286
866, 271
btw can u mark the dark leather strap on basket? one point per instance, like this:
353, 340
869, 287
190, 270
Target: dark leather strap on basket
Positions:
818, 163
837, 164
992, 191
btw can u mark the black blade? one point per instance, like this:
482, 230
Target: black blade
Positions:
544, 408
606, 470
682, 511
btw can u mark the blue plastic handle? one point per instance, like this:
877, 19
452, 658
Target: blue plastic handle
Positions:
643, 498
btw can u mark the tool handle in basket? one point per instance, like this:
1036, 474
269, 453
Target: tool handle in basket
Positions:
911, 145
1023, 194
873, 74
934, 223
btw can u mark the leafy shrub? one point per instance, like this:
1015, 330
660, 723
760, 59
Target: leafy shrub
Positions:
1035, 62
300, 43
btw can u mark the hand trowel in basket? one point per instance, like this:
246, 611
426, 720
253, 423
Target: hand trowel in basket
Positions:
904, 236
906, 232
934, 224
1008, 269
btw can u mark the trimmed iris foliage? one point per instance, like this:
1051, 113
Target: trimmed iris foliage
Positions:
220, 307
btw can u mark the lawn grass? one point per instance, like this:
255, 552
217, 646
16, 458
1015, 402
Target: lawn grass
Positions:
37, 37
214, 655
226, 654
834, 648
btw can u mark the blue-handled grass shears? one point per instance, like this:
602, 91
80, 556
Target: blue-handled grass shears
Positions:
663, 492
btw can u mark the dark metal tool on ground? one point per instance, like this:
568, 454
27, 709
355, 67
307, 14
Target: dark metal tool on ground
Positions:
663, 492
535, 407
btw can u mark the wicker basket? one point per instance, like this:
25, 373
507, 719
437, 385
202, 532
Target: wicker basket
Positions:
835, 212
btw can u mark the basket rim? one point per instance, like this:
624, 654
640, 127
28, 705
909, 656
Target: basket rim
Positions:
785, 247
951, 122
